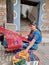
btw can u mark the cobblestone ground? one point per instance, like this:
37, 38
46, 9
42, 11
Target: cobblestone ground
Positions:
44, 54
6, 59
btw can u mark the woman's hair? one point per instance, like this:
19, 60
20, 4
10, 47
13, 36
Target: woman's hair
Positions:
35, 24
32, 23
38, 28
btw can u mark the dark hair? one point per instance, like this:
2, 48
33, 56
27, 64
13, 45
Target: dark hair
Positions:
38, 28
35, 24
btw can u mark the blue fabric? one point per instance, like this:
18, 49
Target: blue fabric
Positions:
34, 47
4, 43
32, 58
35, 35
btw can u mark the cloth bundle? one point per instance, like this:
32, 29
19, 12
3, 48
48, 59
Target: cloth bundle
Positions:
21, 58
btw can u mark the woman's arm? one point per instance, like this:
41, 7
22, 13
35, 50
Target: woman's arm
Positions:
30, 44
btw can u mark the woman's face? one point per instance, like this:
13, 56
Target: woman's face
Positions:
32, 27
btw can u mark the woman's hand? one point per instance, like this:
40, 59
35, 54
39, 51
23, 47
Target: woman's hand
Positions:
26, 50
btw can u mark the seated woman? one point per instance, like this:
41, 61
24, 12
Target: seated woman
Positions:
34, 38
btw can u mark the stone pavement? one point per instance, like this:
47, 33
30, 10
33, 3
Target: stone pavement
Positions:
5, 58
44, 54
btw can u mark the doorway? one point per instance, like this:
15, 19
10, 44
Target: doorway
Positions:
29, 11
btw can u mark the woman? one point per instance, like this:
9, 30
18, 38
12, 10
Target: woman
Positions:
34, 38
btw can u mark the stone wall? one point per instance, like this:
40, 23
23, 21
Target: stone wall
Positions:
2, 11
45, 16
45, 19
